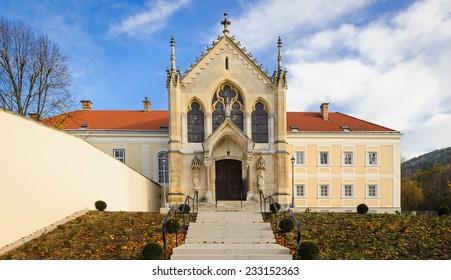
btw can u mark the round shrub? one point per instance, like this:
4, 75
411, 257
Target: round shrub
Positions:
362, 208
100, 205
442, 211
308, 251
286, 225
152, 251
172, 226
187, 209
272, 209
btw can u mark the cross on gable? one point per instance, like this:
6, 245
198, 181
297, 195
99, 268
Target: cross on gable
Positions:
226, 24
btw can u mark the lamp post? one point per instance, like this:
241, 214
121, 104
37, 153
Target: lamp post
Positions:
292, 181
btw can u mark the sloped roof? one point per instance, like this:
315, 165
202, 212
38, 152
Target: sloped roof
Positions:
110, 120
153, 120
313, 122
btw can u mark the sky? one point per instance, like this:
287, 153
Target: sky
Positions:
384, 61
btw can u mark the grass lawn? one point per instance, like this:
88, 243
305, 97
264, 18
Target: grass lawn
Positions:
352, 236
98, 236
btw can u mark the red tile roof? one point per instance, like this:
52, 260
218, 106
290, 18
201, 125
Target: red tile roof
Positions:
140, 120
312, 121
110, 120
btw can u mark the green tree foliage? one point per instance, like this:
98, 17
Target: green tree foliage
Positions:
412, 197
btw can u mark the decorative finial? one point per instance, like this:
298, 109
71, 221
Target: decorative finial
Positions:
279, 57
226, 24
173, 66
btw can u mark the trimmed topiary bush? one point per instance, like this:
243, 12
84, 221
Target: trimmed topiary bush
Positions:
308, 251
172, 226
442, 211
100, 205
286, 225
272, 209
362, 208
152, 251
187, 209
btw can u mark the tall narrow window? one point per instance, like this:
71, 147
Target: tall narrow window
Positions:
324, 158
195, 120
348, 158
163, 170
119, 154
372, 158
226, 63
259, 120
299, 158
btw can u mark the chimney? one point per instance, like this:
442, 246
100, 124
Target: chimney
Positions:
33, 116
325, 111
86, 105
146, 105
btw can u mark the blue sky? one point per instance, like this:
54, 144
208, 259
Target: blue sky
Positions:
384, 61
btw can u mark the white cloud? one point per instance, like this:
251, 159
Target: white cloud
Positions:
153, 18
267, 19
393, 71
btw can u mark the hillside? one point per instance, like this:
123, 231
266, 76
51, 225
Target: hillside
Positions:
442, 156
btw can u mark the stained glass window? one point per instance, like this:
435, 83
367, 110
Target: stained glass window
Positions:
259, 124
227, 100
195, 120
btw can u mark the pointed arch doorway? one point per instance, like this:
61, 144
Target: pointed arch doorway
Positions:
229, 181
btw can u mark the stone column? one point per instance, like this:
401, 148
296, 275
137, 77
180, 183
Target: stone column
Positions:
250, 189
208, 195
184, 127
248, 125
271, 129
207, 124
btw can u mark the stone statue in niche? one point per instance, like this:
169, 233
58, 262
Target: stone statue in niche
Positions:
228, 106
195, 166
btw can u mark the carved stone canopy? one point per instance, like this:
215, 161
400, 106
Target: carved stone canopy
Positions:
195, 163
261, 163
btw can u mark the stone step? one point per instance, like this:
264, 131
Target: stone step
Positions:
232, 257
217, 235
230, 240
231, 249
229, 226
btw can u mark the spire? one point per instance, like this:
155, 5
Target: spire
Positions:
226, 24
172, 55
279, 56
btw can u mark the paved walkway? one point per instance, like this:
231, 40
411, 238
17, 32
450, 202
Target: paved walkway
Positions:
230, 235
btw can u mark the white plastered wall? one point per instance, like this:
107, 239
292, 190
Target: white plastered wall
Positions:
47, 175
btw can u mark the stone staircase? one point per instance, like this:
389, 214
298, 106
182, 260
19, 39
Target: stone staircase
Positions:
230, 232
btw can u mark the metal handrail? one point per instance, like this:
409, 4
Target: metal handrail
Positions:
195, 210
270, 198
298, 224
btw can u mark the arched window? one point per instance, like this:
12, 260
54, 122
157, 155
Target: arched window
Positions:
227, 98
163, 170
226, 63
195, 122
260, 124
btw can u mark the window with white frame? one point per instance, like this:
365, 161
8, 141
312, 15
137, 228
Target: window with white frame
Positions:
324, 191
372, 191
372, 158
163, 170
324, 158
348, 191
348, 158
300, 190
300, 158
119, 154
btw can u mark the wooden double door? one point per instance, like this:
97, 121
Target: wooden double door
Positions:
229, 181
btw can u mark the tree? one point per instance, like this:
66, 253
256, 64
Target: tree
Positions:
34, 74
412, 197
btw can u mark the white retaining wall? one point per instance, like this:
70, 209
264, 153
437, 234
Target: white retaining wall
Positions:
47, 175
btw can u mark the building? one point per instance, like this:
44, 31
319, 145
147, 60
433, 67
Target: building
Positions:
227, 134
